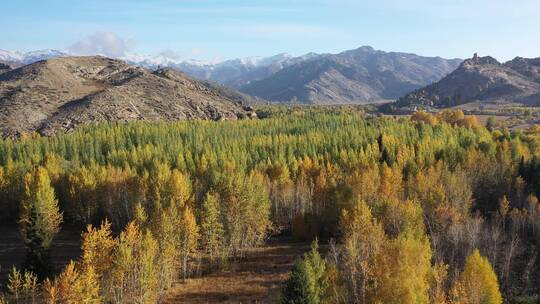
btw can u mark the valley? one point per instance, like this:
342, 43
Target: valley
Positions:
147, 155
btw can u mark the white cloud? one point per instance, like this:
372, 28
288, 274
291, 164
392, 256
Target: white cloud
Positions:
102, 43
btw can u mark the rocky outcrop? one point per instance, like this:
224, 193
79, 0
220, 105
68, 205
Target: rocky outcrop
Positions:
482, 79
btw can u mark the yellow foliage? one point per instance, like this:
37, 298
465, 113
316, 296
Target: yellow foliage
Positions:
402, 271
457, 118
189, 238
391, 186
402, 216
452, 117
424, 117
73, 286
477, 283
363, 237
97, 248
437, 290
177, 190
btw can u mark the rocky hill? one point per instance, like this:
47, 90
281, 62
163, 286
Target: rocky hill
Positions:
482, 79
59, 94
356, 76
4, 68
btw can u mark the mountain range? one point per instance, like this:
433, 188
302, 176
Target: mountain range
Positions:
59, 94
50, 91
356, 76
482, 79
233, 73
17, 59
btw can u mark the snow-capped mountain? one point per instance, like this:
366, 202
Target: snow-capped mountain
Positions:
234, 73
20, 58
8, 56
34, 56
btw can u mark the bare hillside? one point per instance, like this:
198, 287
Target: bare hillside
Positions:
59, 94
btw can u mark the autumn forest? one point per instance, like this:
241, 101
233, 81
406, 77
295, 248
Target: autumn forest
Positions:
428, 208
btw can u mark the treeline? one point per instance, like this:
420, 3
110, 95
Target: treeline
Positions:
431, 191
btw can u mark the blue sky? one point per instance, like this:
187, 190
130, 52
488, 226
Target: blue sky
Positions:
218, 29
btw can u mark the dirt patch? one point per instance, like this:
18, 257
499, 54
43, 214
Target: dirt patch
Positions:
257, 278
482, 119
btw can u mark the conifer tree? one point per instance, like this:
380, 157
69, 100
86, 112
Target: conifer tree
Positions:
177, 190
308, 283
23, 285
40, 219
297, 289
166, 228
316, 274
98, 247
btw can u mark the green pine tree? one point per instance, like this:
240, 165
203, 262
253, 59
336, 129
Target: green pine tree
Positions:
296, 290
40, 219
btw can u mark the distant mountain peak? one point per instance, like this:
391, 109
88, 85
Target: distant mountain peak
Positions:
366, 48
477, 60
356, 76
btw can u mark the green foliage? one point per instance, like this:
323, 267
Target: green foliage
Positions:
383, 187
491, 123
296, 290
308, 283
40, 218
211, 227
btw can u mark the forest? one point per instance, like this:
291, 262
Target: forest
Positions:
431, 208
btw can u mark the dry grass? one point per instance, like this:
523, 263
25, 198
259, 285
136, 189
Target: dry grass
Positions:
257, 278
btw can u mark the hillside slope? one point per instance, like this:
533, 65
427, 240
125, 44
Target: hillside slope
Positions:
482, 79
4, 68
59, 94
356, 76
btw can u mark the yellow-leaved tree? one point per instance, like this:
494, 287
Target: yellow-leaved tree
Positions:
73, 286
403, 271
478, 283
189, 238
363, 237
